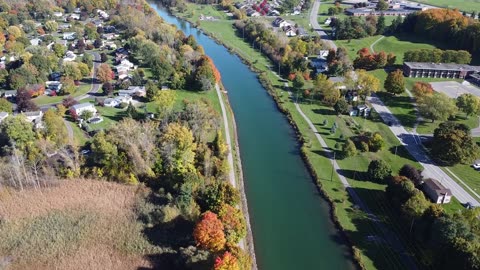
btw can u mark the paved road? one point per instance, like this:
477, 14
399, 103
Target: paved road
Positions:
317, 27
413, 144
94, 88
389, 236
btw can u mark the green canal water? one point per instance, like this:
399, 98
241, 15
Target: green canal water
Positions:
289, 219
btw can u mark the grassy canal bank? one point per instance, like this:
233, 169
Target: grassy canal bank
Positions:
358, 227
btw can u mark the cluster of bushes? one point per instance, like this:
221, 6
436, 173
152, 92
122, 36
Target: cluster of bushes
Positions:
368, 61
367, 142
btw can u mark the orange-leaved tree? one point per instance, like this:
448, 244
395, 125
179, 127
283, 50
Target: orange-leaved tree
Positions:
233, 222
226, 262
208, 232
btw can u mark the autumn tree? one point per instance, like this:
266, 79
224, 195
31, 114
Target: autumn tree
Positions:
469, 104
177, 148
55, 129
422, 89
226, 262
208, 232
437, 107
71, 70
395, 82
24, 101
104, 73
163, 102
452, 143
51, 26
376, 142
68, 86
234, 223
366, 83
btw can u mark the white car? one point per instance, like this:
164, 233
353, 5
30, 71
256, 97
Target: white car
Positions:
476, 165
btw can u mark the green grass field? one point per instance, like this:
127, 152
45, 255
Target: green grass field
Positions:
464, 5
353, 46
81, 90
400, 44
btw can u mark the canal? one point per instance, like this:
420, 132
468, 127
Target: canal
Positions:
290, 220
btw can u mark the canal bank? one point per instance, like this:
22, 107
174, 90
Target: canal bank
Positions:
291, 222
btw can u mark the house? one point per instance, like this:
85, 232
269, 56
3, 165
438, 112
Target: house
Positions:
55, 86
138, 91
363, 110
69, 35
109, 29
35, 41
290, 31
109, 36
438, 70
69, 56
35, 118
124, 99
3, 115
110, 102
77, 11
104, 15
55, 76
64, 26
320, 65
74, 17
436, 191
338, 82
78, 109
57, 14
9, 93
301, 32
110, 45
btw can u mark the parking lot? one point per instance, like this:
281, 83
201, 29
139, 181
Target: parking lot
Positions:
455, 89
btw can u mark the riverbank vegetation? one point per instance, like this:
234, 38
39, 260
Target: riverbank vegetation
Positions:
178, 203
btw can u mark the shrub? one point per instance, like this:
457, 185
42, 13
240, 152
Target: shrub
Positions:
348, 149
378, 171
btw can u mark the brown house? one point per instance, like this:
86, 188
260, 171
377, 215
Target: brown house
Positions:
436, 191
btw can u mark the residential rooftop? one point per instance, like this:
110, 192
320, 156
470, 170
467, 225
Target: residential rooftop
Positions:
437, 187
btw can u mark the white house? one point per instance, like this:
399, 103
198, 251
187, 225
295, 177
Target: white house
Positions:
69, 35
104, 15
69, 56
57, 14
53, 85
78, 109
110, 102
35, 118
290, 31
3, 115
9, 93
74, 17
138, 91
436, 191
35, 41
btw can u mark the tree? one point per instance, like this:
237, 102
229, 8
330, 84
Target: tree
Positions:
217, 194
177, 148
376, 142
163, 102
132, 111
107, 89
341, 107
437, 107
86, 115
382, 5
378, 171
330, 96
226, 262
24, 101
453, 144
104, 73
59, 49
5, 105
381, 26
88, 60
68, 86
55, 129
298, 82
51, 26
103, 57
16, 130
422, 89
469, 104
208, 232
415, 206
233, 222
71, 70
366, 83
395, 82
348, 149
411, 173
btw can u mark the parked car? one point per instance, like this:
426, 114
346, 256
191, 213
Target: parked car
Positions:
476, 164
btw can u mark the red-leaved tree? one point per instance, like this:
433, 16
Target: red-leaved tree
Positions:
226, 262
208, 232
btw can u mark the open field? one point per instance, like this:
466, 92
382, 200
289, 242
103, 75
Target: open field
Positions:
464, 5
400, 44
72, 225
353, 46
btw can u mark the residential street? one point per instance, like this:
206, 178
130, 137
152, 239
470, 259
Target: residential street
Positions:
414, 146
316, 26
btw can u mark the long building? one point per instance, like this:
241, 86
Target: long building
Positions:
438, 70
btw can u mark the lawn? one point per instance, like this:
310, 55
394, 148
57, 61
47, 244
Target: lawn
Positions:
353, 46
43, 100
464, 5
400, 44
